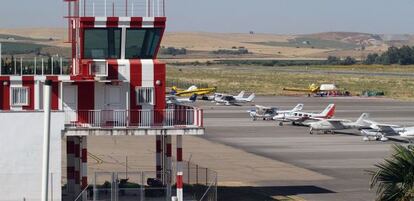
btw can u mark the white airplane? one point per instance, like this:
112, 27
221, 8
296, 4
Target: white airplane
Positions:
267, 113
332, 125
301, 117
232, 100
175, 100
381, 131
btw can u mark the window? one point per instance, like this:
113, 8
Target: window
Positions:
19, 96
102, 43
145, 95
142, 43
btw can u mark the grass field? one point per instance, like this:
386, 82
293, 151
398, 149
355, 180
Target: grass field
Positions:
269, 81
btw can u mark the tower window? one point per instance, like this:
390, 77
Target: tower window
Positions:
142, 43
145, 95
102, 43
19, 96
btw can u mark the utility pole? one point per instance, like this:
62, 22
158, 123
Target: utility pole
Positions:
46, 140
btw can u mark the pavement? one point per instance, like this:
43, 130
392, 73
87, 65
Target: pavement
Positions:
340, 159
276, 161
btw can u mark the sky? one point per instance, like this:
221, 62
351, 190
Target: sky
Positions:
242, 16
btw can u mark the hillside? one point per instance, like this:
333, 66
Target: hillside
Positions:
226, 45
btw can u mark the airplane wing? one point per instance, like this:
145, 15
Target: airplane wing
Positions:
387, 129
296, 89
336, 123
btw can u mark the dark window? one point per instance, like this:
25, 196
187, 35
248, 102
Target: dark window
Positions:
142, 43
102, 43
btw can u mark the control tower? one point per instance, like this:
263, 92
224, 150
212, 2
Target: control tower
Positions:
112, 86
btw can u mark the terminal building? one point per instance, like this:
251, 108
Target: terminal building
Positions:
112, 86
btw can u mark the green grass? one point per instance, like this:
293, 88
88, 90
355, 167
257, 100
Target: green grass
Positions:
268, 81
315, 43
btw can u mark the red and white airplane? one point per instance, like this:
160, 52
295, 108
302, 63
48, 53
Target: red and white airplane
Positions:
300, 117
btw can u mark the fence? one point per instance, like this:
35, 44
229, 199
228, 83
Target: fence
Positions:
122, 8
35, 66
125, 186
200, 183
134, 118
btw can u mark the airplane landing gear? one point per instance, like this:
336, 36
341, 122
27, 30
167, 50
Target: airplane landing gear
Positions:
280, 123
365, 139
311, 131
383, 139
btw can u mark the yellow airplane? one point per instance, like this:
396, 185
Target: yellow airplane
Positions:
314, 88
192, 90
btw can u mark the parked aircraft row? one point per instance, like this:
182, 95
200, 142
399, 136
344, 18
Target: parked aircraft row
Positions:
295, 116
218, 98
324, 122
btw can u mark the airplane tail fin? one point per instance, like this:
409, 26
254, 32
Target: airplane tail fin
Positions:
251, 97
193, 98
329, 111
241, 94
298, 107
362, 118
173, 90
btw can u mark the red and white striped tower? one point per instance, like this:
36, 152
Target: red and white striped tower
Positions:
77, 165
179, 168
169, 163
158, 161
70, 167
84, 166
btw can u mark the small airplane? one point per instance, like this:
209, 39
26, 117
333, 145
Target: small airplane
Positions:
192, 90
315, 89
301, 117
332, 125
175, 100
381, 131
232, 100
267, 113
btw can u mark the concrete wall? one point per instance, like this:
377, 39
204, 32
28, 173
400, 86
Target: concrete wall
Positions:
21, 143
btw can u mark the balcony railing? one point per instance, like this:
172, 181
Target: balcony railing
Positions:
35, 66
121, 8
168, 118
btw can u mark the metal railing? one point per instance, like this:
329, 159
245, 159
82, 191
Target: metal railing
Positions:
122, 8
134, 118
35, 66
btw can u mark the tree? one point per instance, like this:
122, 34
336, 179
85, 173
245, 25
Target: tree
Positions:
405, 55
371, 59
394, 178
348, 61
333, 60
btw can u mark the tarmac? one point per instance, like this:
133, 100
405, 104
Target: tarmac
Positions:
275, 160
340, 160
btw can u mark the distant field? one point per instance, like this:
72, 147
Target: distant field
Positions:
21, 48
201, 44
268, 81
311, 43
